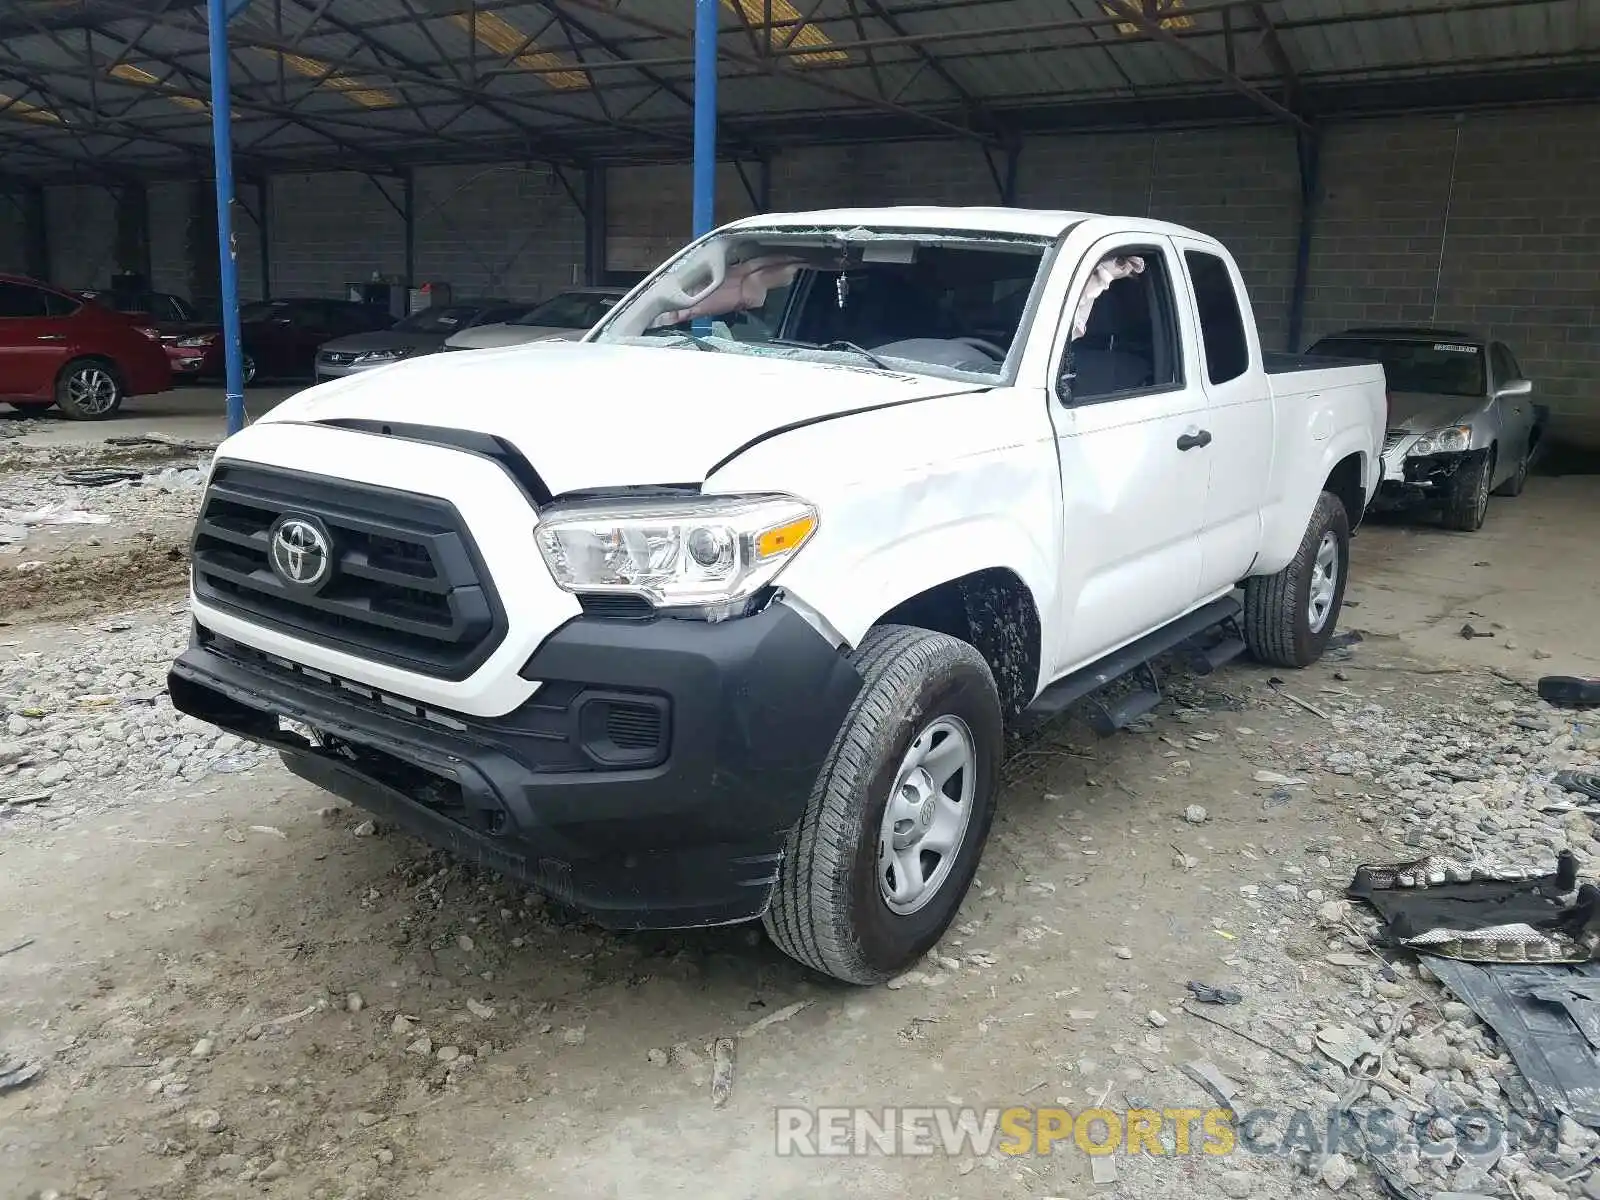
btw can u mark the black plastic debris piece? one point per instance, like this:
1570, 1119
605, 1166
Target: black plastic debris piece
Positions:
1570, 691
1546, 1015
1460, 910
1582, 782
98, 476
1207, 994
1468, 632
1348, 638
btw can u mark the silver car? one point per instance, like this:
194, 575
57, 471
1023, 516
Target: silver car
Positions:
1462, 423
565, 317
421, 333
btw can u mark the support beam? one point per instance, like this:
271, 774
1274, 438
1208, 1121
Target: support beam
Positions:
227, 248
1152, 28
1279, 56
707, 21
595, 219
35, 233
263, 233
133, 229
1308, 147
975, 108
408, 191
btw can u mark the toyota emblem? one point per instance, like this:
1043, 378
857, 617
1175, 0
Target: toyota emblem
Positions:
301, 551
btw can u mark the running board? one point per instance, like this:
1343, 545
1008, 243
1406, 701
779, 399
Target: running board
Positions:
1124, 711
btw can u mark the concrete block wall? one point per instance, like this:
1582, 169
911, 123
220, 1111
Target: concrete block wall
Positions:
82, 226
509, 231
13, 236
1491, 220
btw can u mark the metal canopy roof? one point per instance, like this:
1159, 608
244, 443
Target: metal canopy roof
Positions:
109, 89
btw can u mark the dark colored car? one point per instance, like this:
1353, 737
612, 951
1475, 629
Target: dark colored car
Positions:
58, 348
279, 338
168, 313
421, 333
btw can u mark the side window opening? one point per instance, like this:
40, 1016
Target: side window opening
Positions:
1125, 338
1221, 323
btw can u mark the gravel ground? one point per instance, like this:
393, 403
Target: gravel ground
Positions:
233, 986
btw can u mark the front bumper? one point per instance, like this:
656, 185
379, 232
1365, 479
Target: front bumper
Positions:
1419, 479
326, 370
557, 798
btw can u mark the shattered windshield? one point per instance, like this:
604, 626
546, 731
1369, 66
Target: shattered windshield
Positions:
943, 304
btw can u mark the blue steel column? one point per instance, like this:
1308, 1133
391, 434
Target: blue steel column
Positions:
222, 149
706, 20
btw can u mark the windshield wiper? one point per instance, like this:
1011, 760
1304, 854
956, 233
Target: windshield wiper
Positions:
836, 346
699, 343
841, 344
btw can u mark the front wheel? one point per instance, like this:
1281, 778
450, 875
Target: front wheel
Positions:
877, 866
1289, 617
88, 390
1466, 498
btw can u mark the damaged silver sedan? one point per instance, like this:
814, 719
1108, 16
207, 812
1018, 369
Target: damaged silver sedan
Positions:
1462, 422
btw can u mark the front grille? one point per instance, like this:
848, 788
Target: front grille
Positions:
407, 586
1393, 438
338, 358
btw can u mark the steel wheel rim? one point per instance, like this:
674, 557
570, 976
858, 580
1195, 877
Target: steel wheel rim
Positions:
1483, 493
92, 390
1324, 581
926, 816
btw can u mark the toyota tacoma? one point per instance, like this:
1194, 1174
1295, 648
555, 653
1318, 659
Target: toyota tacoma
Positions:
722, 612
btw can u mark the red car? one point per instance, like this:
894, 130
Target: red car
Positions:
57, 348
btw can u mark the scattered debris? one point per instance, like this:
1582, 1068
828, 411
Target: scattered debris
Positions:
1345, 1044
1570, 691
1305, 704
721, 1071
270, 831
1278, 778
773, 1018
1195, 814
1104, 1169
1468, 632
1216, 1084
22, 945
1207, 994
15, 1074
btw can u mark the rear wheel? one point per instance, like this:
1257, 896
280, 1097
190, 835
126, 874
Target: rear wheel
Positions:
1466, 499
879, 863
1289, 617
89, 389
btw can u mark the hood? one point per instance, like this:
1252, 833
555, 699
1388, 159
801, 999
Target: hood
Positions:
1422, 411
589, 416
483, 337
384, 339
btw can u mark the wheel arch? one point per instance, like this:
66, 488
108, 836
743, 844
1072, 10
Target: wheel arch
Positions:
994, 611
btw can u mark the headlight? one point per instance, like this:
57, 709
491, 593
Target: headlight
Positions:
380, 356
198, 339
1451, 440
710, 552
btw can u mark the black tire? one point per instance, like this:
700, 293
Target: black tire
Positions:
1519, 478
89, 389
1466, 502
1277, 608
828, 910
248, 370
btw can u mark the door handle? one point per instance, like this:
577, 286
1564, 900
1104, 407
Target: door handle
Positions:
51, 337
1190, 440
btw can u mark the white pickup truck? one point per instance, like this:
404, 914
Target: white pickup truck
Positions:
720, 614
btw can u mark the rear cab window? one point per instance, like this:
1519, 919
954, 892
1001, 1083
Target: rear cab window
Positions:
1227, 350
